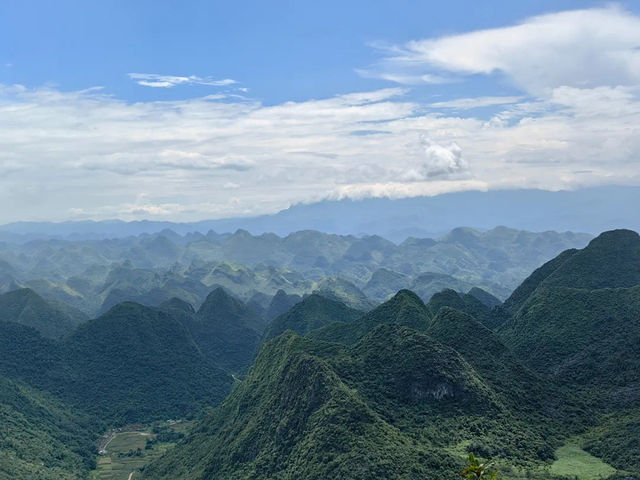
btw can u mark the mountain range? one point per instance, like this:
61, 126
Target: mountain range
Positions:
94, 275
307, 386
591, 210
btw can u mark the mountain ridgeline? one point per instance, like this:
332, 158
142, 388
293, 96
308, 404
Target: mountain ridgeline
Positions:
511, 382
93, 275
326, 382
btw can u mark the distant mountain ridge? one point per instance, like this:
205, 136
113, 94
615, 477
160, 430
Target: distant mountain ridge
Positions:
94, 275
591, 210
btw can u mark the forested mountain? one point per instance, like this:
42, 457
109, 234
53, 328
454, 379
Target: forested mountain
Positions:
313, 312
433, 373
51, 318
41, 438
135, 364
394, 404
132, 364
577, 318
226, 331
402, 390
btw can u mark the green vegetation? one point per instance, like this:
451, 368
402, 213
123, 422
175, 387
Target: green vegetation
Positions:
546, 385
405, 308
617, 441
572, 461
477, 469
280, 303
587, 337
293, 417
308, 409
137, 364
95, 275
226, 331
311, 313
485, 297
41, 438
129, 451
133, 364
51, 318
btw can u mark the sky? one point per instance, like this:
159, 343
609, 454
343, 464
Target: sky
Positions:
190, 110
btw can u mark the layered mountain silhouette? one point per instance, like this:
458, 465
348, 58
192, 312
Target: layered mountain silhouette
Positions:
93, 275
304, 385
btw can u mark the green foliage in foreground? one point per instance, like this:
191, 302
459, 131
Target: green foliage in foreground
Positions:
476, 469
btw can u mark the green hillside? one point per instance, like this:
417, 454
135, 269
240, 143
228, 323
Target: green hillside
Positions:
226, 331
582, 337
405, 308
135, 364
51, 318
311, 313
308, 409
41, 438
295, 418
578, 319
485, 297
279, 304
610, 260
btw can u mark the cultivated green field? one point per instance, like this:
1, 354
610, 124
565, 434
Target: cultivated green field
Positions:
126, 453
572, 461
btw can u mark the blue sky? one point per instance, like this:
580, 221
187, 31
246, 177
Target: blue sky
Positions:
279, 50
190, 110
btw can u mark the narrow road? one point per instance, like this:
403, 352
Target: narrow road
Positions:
130, 475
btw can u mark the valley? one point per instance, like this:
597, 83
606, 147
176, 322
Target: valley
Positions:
127, 450
297, 240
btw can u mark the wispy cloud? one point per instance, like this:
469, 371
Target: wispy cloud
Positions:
579, 48
475, 102
168, 81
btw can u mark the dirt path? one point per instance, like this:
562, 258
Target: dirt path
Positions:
130, 475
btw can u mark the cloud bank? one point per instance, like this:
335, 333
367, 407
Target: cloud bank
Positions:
85, 154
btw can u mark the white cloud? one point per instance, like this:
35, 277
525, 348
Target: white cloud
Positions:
86, 154
439, 160
475, 102
404, 78
167, 81
579, 48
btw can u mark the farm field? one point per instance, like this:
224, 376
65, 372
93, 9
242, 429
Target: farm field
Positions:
128, 451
